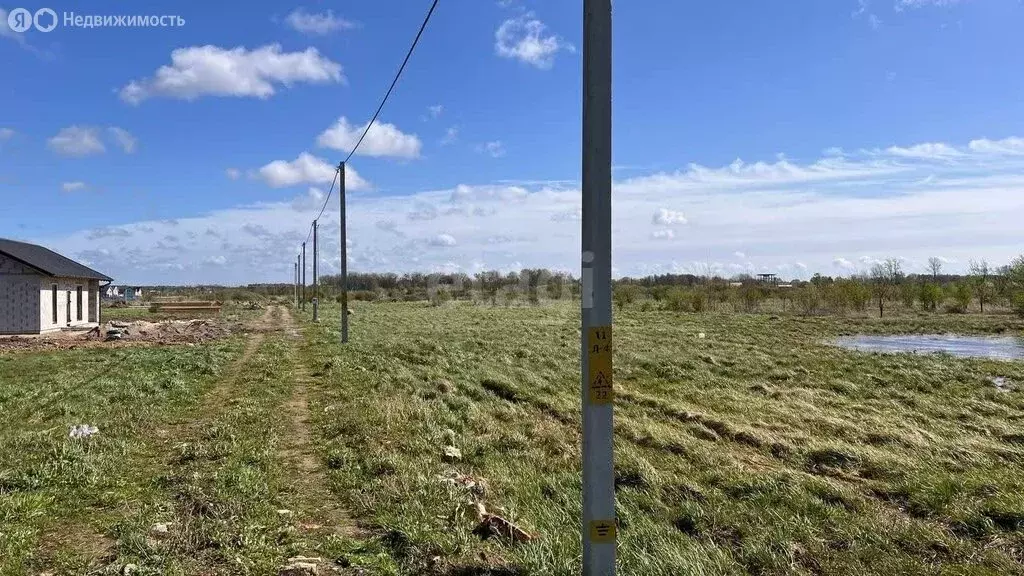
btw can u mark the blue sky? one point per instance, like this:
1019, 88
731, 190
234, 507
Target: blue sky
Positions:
200, 153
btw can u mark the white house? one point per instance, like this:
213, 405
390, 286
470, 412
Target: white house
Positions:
41, 290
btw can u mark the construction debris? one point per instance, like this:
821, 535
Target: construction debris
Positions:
1002, 384
451, 453
83, 431
475, 486
160, 530
494, 525
301, 566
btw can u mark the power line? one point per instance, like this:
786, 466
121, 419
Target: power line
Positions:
383, 101
395, 81
328, 199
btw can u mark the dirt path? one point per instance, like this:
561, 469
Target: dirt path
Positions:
269, 321
79, 537
316, 507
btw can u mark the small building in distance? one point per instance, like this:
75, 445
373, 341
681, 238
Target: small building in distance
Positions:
122, 293
42, 291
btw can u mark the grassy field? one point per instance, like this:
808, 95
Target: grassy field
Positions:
758, 449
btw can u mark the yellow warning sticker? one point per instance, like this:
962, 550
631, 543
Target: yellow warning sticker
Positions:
599, 354
602, 531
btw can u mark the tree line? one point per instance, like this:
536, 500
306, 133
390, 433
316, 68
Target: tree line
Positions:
885, 288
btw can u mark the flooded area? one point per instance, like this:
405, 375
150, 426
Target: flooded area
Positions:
998, 348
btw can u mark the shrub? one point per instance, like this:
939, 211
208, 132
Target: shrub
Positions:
908, 294
625, 294
439, 297
809, 299
752, 296
930, 296
961, 294
676, 299
1018, 303
698, 301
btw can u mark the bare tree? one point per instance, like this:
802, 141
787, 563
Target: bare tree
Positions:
935, 267
979, 273
886, 277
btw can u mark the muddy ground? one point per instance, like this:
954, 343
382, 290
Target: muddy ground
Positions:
125, 333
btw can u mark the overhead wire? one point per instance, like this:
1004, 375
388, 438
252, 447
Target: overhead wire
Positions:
395, 81
380, 107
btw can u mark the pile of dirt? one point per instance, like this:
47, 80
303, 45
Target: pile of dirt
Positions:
165, 332
116, 333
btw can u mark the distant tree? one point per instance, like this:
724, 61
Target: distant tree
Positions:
979, 277
1015, 280
961, 294
885, 278
930, 296
908, 294
935, 267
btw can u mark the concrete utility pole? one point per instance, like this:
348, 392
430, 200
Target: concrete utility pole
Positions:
344, 255
316, 284
303, 276
295, 281
599, 524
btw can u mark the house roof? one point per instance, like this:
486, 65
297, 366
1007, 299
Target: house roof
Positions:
47, 261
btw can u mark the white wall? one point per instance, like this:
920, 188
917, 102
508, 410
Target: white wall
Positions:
19, 298
64, 285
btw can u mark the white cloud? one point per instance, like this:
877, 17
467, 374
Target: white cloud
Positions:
6, 134
874, 21
237, 72
525, 38
381, 140
663, 234
494, 149
824, 214
73, 186
926, 151
233, 173
445, 240
218, 260
666, 217
77, 141
319, 23
124, 139
435, 110
1007, 146
308, 169
740, 255
313, 199
901, 4
450, 135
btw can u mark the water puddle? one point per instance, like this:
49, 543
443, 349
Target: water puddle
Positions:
997, 348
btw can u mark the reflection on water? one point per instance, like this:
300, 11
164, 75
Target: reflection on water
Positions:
1002, 348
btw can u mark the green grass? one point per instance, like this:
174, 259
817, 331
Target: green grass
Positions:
57, 493
756, 450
